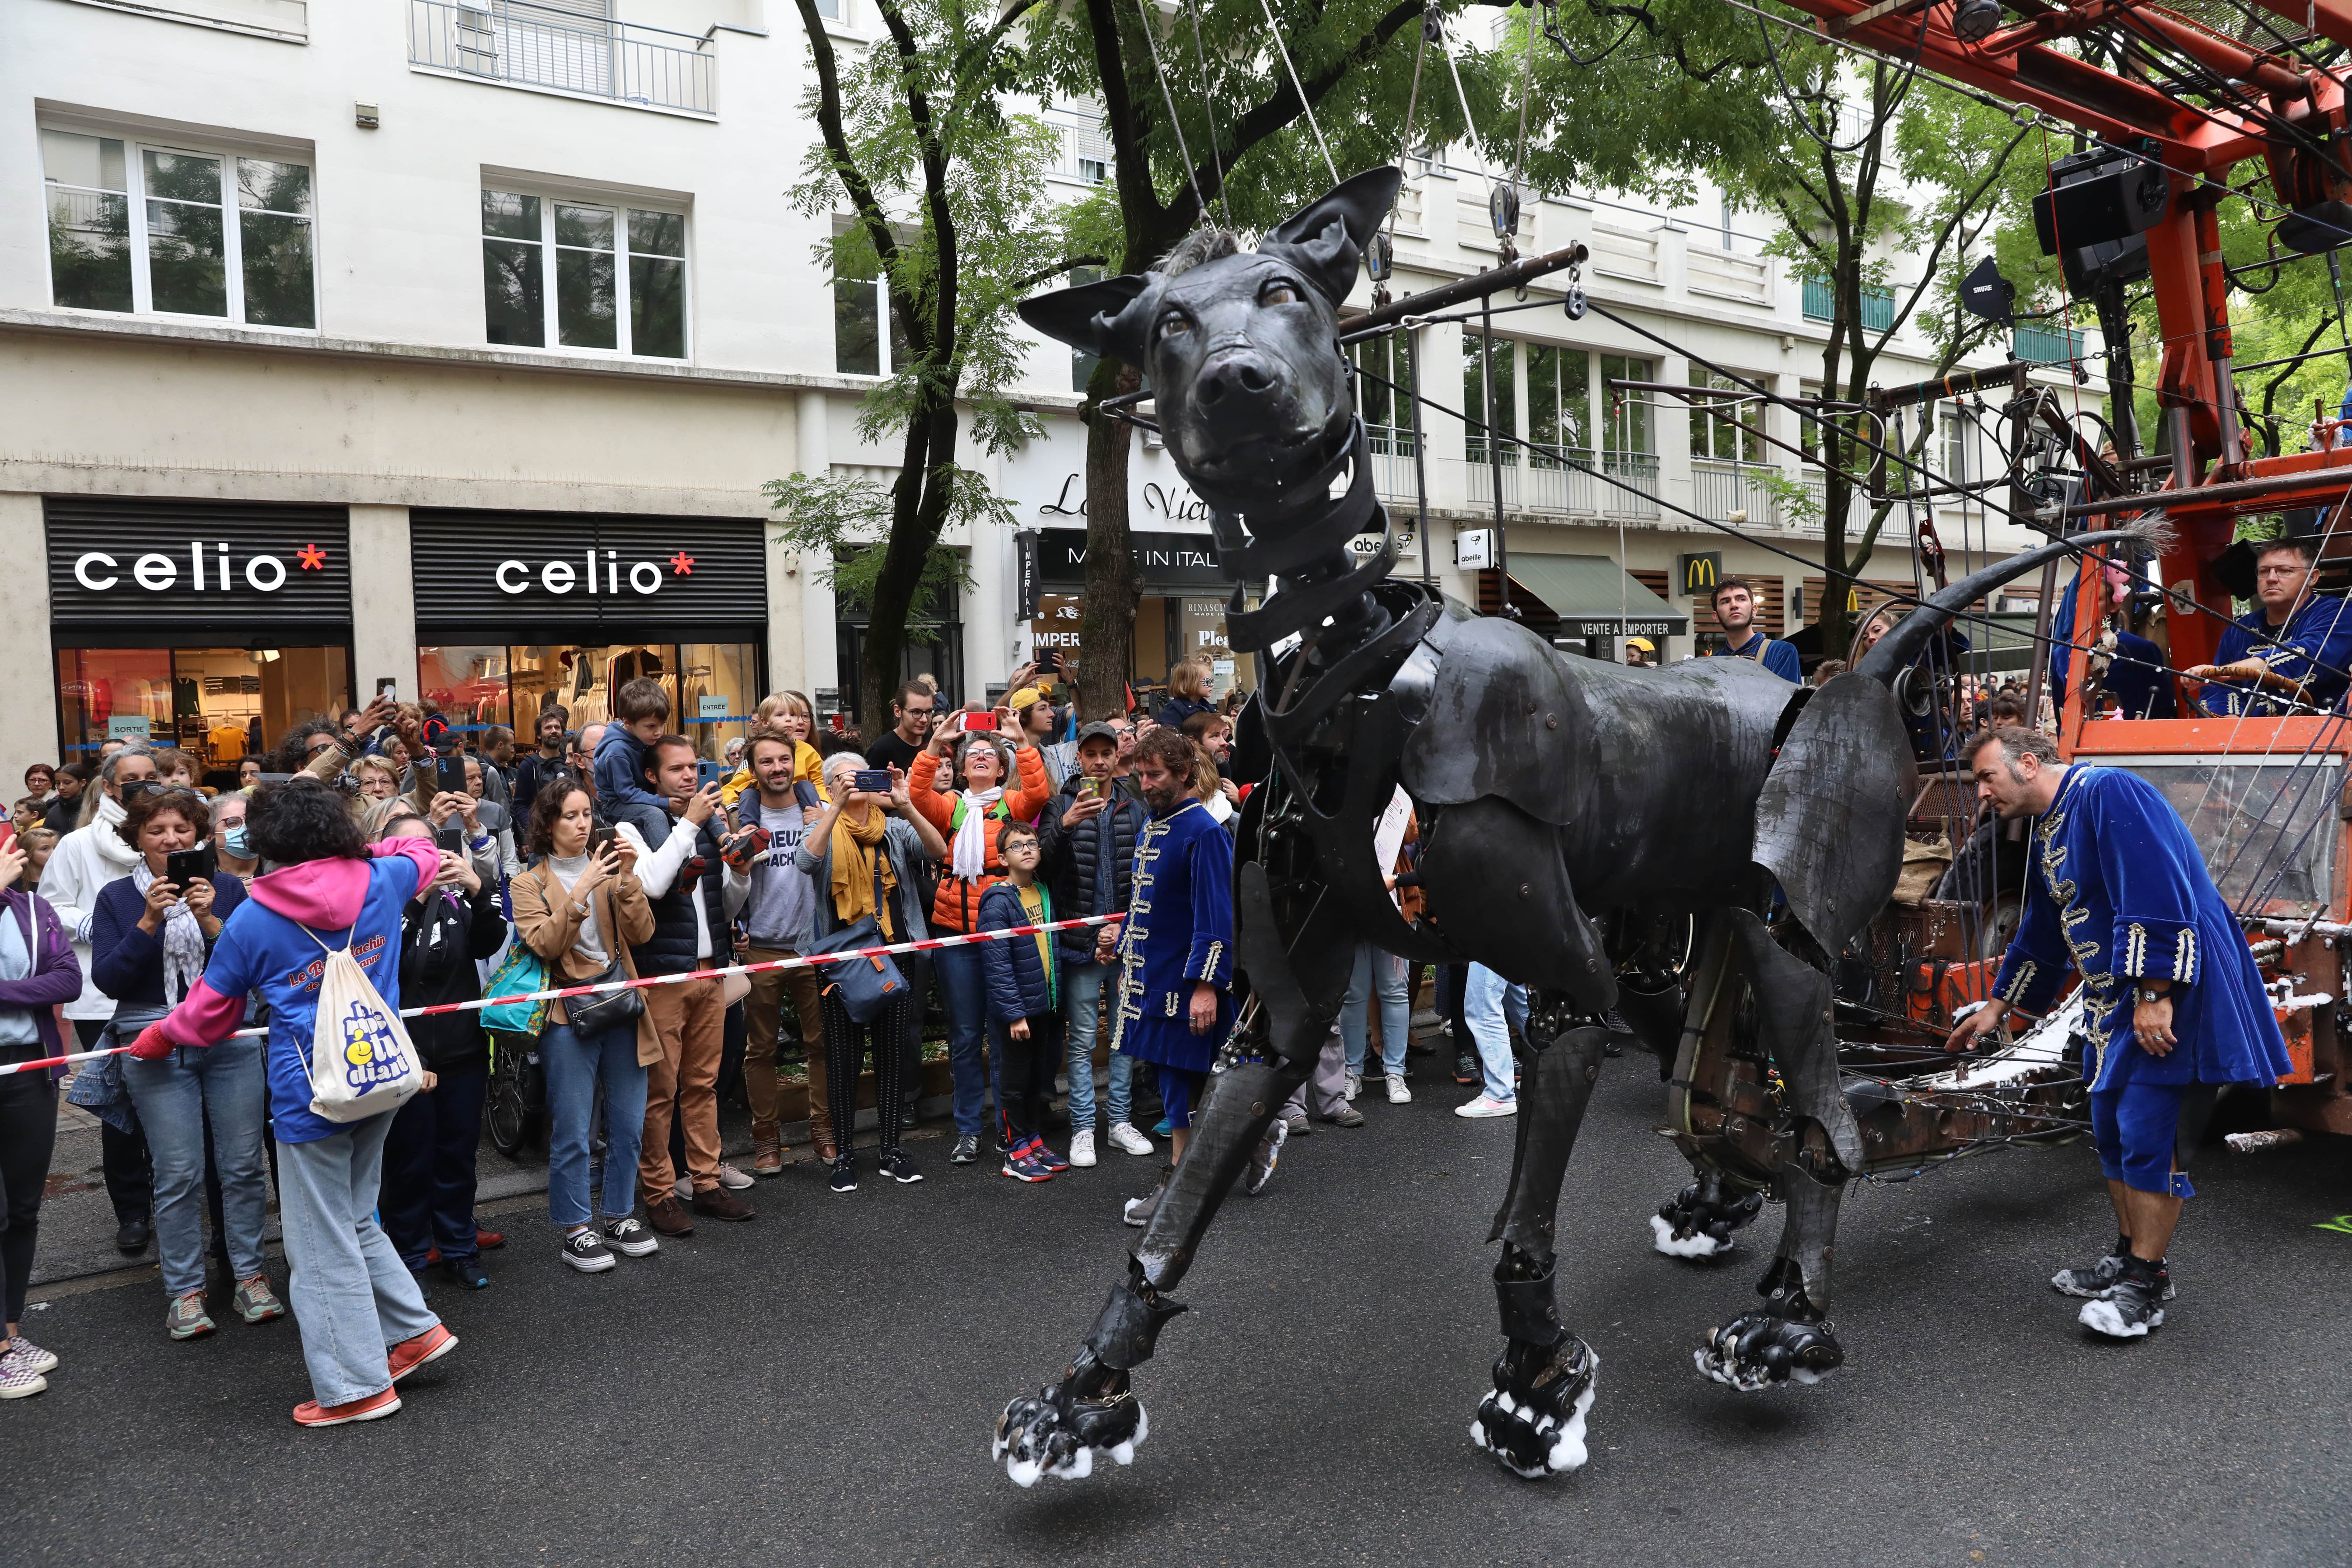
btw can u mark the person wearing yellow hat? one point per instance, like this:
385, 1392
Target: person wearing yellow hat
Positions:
1032, 713
787, 713
1640, 651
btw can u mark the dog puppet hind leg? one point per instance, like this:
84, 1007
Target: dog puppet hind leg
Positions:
1092, 1410
1790, 1339
1533, 1420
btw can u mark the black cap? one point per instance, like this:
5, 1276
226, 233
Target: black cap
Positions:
2234, 567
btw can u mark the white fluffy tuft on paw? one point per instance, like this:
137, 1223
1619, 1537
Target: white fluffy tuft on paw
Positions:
1696, 1245
1802, 1374
1569, 1453
1024, 1473
2103, 1318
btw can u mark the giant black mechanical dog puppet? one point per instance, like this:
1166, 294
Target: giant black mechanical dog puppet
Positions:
1568, 809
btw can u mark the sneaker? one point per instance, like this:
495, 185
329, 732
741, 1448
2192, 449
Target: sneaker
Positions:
668, 1216
468, 1271
1124, 1136
584, 1250
629, 1237
967, 1151
1465, 1068
1024, 1166
1298, 1124
1264, 1157
720, 1204
2093, 1283
416, 1350
1352, 1086
1082, 1148
1163, 1128
2134, 1304
684, 1188
844, 1175
256, 1303
17, 1378
24, 1352
1138, 1211
1052, 1162
1397, 1093
1346, 1116
896, 1165
1481, 1106
374, 1407
186, 1318
733, 1179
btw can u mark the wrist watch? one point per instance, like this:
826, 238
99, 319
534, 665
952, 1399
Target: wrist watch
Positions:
2143, 993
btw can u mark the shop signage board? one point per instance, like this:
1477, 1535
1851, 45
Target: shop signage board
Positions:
483, 569
115, 563
1162, 560
128, 727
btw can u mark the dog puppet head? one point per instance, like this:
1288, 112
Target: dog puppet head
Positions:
1242, 348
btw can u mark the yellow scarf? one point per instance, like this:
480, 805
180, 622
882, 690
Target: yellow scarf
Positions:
855, 852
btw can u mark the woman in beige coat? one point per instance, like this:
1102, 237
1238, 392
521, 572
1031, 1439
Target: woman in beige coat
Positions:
581, 910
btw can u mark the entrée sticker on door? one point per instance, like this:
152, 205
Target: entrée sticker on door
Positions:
562, 577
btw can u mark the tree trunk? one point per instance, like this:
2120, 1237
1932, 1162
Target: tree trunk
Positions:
1106, 623
919, 509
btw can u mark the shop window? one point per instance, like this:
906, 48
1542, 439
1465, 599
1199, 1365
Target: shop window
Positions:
713, 687
466, 684
178, 231
216, 704
1168, 627
618, 275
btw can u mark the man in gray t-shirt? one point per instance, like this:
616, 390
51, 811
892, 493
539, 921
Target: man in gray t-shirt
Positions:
775, 903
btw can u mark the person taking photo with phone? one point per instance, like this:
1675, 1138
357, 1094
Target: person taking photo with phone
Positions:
777, 907
1088, 835
915, 711
983, 758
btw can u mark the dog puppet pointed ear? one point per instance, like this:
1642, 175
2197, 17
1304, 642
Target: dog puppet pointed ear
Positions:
1100, 318
1326, 239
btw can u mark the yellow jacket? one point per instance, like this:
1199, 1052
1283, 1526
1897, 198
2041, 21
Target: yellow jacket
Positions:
806, 764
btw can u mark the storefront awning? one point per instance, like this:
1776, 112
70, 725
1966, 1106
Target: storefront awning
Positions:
1595, 597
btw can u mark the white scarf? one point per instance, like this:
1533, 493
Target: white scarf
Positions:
967, 856
108, 842
183, 939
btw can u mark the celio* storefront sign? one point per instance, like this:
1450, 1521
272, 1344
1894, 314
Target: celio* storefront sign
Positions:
120, 562
577, 571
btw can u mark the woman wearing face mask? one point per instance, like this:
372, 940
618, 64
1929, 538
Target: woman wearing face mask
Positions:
231, 846
149, 941
969, 820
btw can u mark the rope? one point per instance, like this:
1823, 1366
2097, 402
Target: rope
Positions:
1283, 51
1159, 73
1209, 107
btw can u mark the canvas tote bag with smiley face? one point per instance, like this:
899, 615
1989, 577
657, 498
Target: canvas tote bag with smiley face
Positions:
362, 1063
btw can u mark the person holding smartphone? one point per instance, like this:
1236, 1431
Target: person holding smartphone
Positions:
1088, 833
776, 906
150, 937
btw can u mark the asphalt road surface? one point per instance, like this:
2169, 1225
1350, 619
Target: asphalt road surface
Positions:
818, 1386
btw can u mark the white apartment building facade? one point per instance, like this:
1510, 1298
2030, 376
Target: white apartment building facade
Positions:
449, 345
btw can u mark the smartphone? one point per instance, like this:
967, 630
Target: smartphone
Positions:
979, 722
601, 839
453, 773
871, 781
388, 688
1050, 662
1087, 787
183, 867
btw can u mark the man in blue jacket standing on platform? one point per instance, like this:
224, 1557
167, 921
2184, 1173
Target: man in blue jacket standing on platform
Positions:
2173, 1006
1735, 606
2292, 639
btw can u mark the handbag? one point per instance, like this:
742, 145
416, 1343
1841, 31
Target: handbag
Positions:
604, 1010
521, 972
864, 986
362, 1063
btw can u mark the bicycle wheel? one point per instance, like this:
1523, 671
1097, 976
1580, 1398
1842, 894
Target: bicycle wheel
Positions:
507, 1109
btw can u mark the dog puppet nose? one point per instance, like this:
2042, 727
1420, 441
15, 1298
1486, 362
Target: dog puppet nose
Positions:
1236, 374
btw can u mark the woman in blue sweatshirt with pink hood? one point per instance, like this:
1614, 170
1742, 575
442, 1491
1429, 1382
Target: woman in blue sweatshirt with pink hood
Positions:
364, 1323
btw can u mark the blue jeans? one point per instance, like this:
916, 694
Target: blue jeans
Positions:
175, 1097
574, 1063
351, 1293
1082, 985
1485, 1001
1383, 972
964, 983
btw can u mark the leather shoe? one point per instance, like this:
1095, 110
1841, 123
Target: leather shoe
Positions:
720, 1204
826, 1153
668, 1216
133, 1237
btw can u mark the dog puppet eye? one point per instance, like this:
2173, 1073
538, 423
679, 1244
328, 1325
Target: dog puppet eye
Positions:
1278, 294
1173, 323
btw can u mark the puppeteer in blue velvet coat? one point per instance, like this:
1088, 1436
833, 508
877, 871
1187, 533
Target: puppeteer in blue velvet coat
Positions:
2316, 643
1179, 931
2118, 888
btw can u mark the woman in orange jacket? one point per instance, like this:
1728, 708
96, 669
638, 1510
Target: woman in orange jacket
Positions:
969, 819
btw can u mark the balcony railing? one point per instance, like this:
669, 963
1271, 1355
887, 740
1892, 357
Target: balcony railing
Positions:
1636, 469
1877, 305
517, 43
2038, 344
1725, 488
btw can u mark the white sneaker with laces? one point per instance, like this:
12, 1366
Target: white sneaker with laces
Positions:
1399, 1093
1352, 1086
1481, 1106
684, 1188
733, 1179
1123, 1135
27, 1354
1082, 1147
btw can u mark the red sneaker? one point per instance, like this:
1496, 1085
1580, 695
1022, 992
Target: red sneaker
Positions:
374, 1407
409, 1355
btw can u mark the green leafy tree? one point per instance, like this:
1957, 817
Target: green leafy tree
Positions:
947, 202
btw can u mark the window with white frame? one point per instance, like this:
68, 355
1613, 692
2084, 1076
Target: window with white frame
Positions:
583, 275
861, 305
1725, 429
1560, 403
163, 229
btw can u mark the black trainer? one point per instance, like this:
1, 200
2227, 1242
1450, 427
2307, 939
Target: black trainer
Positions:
2093, 1283
1465, 1068
2134, 1305
629, 1236
844, 1175
584, 1250
967, 1151
901, 1169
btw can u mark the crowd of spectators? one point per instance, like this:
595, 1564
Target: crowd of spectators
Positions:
170, 918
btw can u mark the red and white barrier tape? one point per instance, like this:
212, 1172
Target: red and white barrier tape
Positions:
810, 961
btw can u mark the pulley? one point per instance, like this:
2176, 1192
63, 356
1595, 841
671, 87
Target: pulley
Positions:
1380, 256
1573, 301
1503, 207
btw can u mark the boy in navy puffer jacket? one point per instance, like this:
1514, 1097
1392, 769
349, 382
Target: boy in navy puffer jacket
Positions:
1023, 1006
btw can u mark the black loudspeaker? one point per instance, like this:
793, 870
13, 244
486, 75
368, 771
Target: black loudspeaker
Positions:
2099, 198
2319, 228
